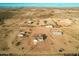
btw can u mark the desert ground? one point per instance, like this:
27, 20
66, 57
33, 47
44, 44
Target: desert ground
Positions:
39, 31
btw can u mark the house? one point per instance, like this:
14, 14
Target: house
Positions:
39, 38
21, 34
49, 26
57, 33
30, 22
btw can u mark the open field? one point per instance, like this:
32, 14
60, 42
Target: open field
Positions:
39, 31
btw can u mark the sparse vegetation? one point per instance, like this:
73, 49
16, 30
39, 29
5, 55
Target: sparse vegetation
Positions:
5, 15
18, 43
36, 35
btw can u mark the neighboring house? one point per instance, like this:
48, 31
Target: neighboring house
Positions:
57, 33
39, 38
21, 34
49, 26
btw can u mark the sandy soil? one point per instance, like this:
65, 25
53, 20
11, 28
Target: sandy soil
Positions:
64, 23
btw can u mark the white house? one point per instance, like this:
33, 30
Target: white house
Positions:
57, 33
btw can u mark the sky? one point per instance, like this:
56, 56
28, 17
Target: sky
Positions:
11, 5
